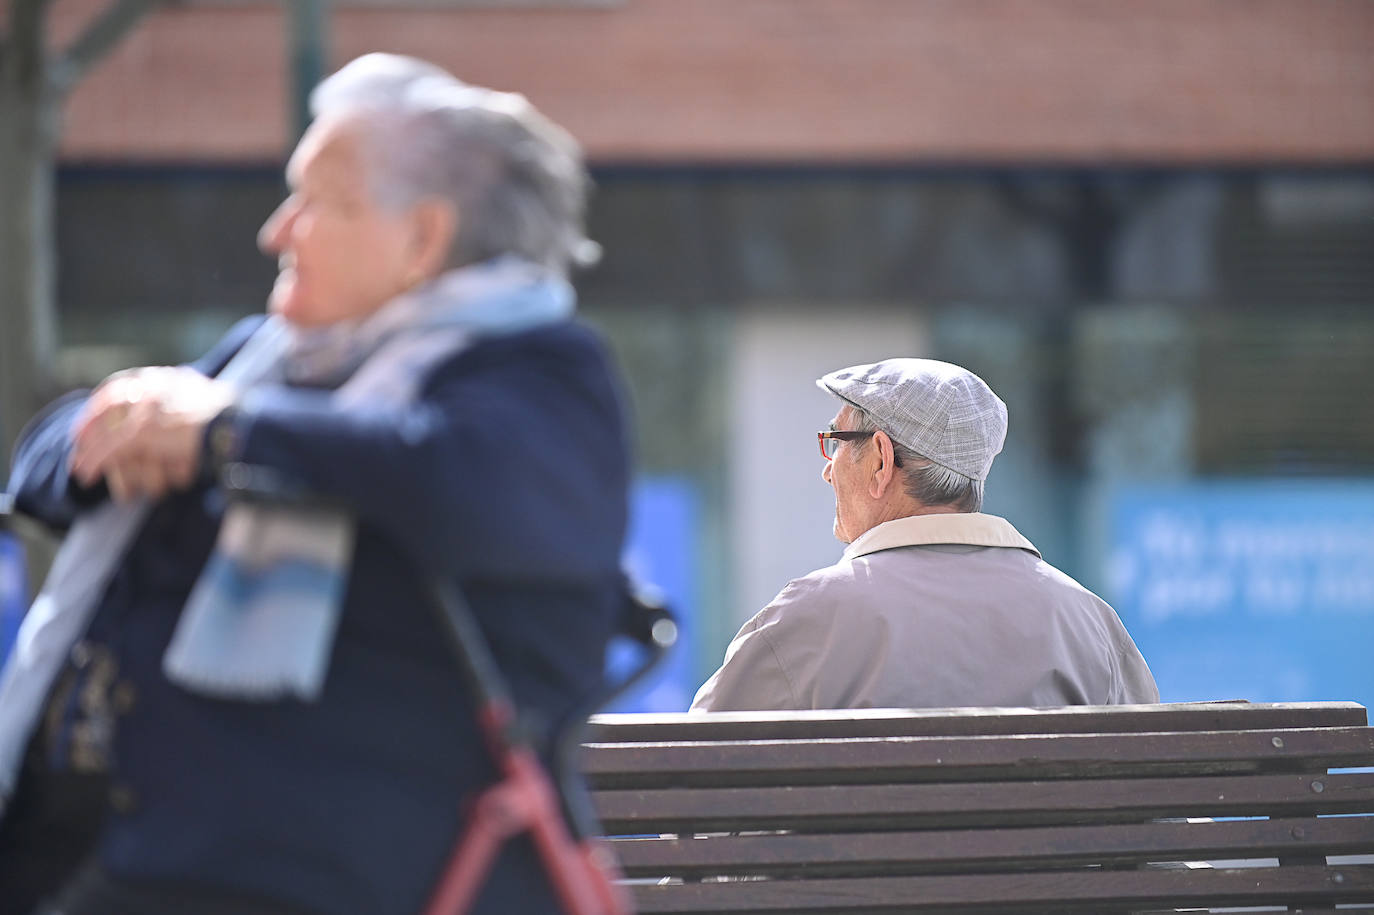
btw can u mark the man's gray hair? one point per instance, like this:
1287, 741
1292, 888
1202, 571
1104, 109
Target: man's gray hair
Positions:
923, 479
516, 178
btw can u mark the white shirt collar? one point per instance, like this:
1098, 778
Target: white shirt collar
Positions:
971, 528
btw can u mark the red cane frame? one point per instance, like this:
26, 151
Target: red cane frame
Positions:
583, 873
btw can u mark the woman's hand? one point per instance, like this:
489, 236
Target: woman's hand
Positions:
142, 429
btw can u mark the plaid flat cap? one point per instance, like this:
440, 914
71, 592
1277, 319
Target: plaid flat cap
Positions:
941, 411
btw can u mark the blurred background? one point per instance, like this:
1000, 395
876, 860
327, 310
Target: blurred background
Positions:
1148, 224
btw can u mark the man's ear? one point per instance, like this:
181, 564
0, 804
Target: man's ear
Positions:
434, 226
885, 471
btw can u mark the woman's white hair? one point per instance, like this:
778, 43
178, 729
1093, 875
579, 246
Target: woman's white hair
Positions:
516, 178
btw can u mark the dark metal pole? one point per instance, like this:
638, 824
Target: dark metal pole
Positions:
309, 55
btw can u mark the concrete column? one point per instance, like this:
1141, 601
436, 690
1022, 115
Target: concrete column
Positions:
781, 511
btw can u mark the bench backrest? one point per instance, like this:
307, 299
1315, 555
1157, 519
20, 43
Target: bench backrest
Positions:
990, 810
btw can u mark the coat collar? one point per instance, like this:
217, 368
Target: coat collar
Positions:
971, 528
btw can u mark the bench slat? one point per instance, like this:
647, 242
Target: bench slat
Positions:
972, 804
1345, 909
869, 760
1305, 910
1182, 716
948, 851
1087, 890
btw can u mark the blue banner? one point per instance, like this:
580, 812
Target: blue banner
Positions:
662, 552
1260, 590
14, 593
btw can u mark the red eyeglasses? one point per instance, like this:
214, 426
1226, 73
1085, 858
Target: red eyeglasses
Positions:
831, 440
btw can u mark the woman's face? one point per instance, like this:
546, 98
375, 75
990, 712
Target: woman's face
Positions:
340, 255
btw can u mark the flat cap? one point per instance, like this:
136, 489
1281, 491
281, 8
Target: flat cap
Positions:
939, 410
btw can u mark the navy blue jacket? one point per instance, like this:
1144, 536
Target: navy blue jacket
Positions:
509, 475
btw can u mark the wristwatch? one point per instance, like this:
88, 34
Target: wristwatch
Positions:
223, 439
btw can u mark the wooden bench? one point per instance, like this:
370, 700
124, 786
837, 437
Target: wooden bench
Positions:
1087, 809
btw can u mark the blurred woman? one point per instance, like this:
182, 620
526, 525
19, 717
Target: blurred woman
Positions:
261, 697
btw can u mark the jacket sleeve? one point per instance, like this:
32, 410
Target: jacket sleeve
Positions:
39, 478
509, 465
753, 676
1135, 683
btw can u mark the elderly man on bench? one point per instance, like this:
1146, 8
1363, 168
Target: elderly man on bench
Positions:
933, 603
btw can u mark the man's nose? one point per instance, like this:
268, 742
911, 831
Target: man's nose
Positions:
825, 471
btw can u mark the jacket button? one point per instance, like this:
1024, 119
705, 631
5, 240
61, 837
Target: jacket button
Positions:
122, 697
123, 799
81, 654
